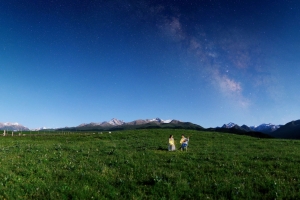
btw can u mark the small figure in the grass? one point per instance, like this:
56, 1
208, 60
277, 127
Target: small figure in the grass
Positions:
171, 146
181, 141
185, 144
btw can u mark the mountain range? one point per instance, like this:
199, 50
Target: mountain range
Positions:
115, 124
290, 130
263, 128
12, 127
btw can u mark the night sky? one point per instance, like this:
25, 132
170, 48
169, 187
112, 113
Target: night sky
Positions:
63, 63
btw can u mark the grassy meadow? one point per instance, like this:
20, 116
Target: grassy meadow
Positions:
135, 164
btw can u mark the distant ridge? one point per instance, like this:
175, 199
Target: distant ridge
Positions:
12, 127
240, 130
116, 124
290, 130
158, 123
263, 128
112, 122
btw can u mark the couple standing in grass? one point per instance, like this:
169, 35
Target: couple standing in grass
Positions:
183, 143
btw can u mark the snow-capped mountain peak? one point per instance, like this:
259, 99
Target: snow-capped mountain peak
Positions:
229, 125
12, 126
154, 120
167, 121
116, 122
160, 120
265, 127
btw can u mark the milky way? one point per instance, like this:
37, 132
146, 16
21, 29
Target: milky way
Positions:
208, 62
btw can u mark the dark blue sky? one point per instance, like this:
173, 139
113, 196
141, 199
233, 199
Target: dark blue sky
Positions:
63, 63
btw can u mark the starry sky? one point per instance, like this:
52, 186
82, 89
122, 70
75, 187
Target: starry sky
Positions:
63, 63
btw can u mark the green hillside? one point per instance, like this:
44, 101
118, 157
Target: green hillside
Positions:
135, 164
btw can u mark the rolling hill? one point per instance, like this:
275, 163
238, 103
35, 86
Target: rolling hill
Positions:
290, 130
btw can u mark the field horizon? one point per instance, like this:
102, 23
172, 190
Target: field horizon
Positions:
135, 164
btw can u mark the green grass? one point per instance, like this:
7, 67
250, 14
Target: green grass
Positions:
135, 164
